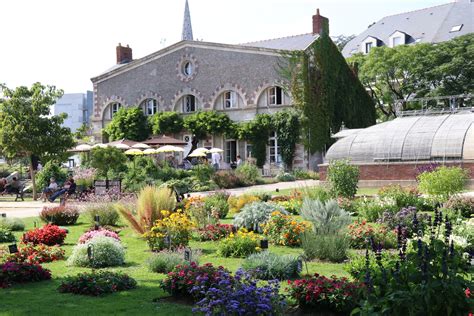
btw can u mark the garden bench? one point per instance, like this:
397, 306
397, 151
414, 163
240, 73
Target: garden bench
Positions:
19, 194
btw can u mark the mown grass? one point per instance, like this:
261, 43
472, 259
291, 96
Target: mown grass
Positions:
42, 298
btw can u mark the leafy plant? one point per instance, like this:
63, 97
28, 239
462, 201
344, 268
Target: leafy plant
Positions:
226, 179
288, 128
98, 232
22, 272
165, 261
332, 247
109, 161
12, 223
302, 174
284, 230
166, 123
320, 192
443, 182
50, 170
199, 213
326, 217
257, 132
285, 177
97, 283
217, 202
363, 234
59, 215
268, 266
248, 174
36, 254
373, 209
6, 235
327, 295
84, 176
402, 197
106, 252
463, 204
252, 216
128, 123
343, 178
215, 232
49, 235
175, 226
108, 215
241, 244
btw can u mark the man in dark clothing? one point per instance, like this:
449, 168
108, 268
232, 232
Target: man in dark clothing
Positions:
69, 188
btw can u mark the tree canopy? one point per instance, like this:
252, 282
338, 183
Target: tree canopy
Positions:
27, 130
166, 123
129, 123
412, 71
108, 161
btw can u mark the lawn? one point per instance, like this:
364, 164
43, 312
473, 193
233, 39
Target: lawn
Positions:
42, 298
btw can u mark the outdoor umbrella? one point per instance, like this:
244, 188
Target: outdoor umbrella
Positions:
122, 146
141, 146
149, 151
169, 149
216, 150
82, 148
100, 146
197, 154
202, 150
133, 151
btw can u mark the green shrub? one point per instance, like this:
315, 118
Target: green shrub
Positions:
248, 174
326, 217
462, 204
97, 283
50, 169
285, 177
401, 197
252, 216
106, 252
59, 215
373, 209
302, 174
166, 173
236, 203
217, 202
343, 178
108, 216
332, 247
6, 235
12, 223
165, 261
357, 266
226, 179
269, 266
203, 172
141, 171
443, 182
319, 192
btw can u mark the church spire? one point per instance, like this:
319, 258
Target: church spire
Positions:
187, 27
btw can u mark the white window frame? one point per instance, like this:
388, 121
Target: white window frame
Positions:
228, 150
274, 157
191, 107
114, 108
368, 47
394, 39
150, 106
275, 93
229, 99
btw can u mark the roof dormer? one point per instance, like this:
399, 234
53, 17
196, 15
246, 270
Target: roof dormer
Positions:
397, 38
369, 43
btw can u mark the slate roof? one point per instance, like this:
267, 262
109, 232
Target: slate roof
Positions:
296, 42
429, 25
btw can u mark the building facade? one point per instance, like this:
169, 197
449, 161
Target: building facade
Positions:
189, 76
430, 25
77, 106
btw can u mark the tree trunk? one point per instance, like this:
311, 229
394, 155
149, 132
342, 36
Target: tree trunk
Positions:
32, 175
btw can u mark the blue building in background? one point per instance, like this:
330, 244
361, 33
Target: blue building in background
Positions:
77, 106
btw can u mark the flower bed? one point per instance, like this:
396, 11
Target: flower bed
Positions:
241, 244
22, 272
284, 230
49, 235
325, 294
59, 215
175, 225
99, 232
215, 232
41, 253
97, 283
361, 232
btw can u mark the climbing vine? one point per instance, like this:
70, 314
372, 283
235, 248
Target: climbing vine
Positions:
257, 132
288, 129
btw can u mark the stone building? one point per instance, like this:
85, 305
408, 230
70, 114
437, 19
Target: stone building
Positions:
188, 76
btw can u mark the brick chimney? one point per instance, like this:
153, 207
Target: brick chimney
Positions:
320, 24
124, 54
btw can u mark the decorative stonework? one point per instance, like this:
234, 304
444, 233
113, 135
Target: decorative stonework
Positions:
151, 95
109, 100
186, 91
96, 107
264, 86
180, 64
227, 87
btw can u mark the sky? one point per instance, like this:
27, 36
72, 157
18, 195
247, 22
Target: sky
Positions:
67, 42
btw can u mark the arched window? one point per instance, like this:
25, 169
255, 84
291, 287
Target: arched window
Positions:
149, 106
189, 103
113, 108
229, 100
275, 95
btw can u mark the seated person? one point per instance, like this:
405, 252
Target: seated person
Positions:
52, 187
69, 188
13, 187
3, 184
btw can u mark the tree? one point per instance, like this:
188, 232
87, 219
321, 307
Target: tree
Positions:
27, 130
128, 123
204, 123
342, 40
166, 123
257, 132
106, 160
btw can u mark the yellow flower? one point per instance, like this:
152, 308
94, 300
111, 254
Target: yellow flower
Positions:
258, 248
